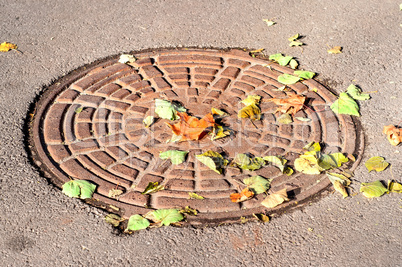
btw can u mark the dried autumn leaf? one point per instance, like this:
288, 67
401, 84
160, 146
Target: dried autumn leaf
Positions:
304, 74
115, 192
213, 160
339, 182
219, 132
189, 211
113, 219
335, 50
191, 128
78, 110
245, 194
394, 187
219, 112
394, 134
245, 162
302, 119
195, 196
340, 188
261, 217
290, 105
125, 58
356, 93
5, 47
269, 22
333, 160
152, 187
345, 105
251, 100
175, 156
275, 199
284, 119
257, 51
257, 183
376, 163
294, 37
148, 121
293, 64
295, 43
373, 189
253, 112
288, 79
288, 171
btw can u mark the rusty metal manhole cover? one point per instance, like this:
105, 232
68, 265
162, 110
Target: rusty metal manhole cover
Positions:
106, 142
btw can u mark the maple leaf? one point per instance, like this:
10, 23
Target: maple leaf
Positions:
242, 196
191, 128
290, 105
394, 134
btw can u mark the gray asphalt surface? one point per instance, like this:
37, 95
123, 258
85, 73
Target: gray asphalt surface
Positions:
39, 226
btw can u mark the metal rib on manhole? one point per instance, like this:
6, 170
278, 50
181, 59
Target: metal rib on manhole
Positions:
107, 144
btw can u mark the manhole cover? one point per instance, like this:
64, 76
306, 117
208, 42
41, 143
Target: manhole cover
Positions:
106, 142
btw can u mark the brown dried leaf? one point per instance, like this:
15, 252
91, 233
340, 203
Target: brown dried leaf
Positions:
393, 133
290, 105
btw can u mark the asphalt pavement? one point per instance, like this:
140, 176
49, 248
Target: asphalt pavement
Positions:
40, 226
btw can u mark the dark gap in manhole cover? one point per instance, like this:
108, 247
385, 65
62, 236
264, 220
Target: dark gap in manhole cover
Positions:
107, 144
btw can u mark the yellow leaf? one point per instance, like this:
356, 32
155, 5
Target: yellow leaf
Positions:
257, 50
275, 199
252, 111
4, 47
269, 22
340, 188
194, 196
308, 164
335, 50
394, 187
251, 100
261, 217
294, 37
219, 112
219, 132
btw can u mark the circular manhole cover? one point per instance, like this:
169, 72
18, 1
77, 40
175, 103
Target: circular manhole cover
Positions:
89, 125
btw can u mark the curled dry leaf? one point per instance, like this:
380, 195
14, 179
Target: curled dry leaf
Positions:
189, 211
290, 105
213, 160
5, 47
335, 50
153, 187
113, 219
148, 121
275, 199
126, 58
245, 194
284, 118
115, 193
394, 187
394, 134
192, 128
251, 110
219, 132
195, 196
261, 217
245, 162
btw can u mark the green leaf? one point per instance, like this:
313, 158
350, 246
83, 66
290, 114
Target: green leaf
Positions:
374, 189
152, 187
288, 79
257, 183
285, 118
168, 110
148, 121
293, 64
294, 37
284, 60
332, 161
304, 74
275, 57
79, 110
295, 43
338, 177
167, 216
195, 196
176, 156
113, 219
244, 162
345, 105
79, 189
356, 93
213, 160
339, 158
276, 161
376, 163
137, 222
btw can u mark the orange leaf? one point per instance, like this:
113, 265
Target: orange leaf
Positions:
191, 128
394, 134
290, 105
242, 196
